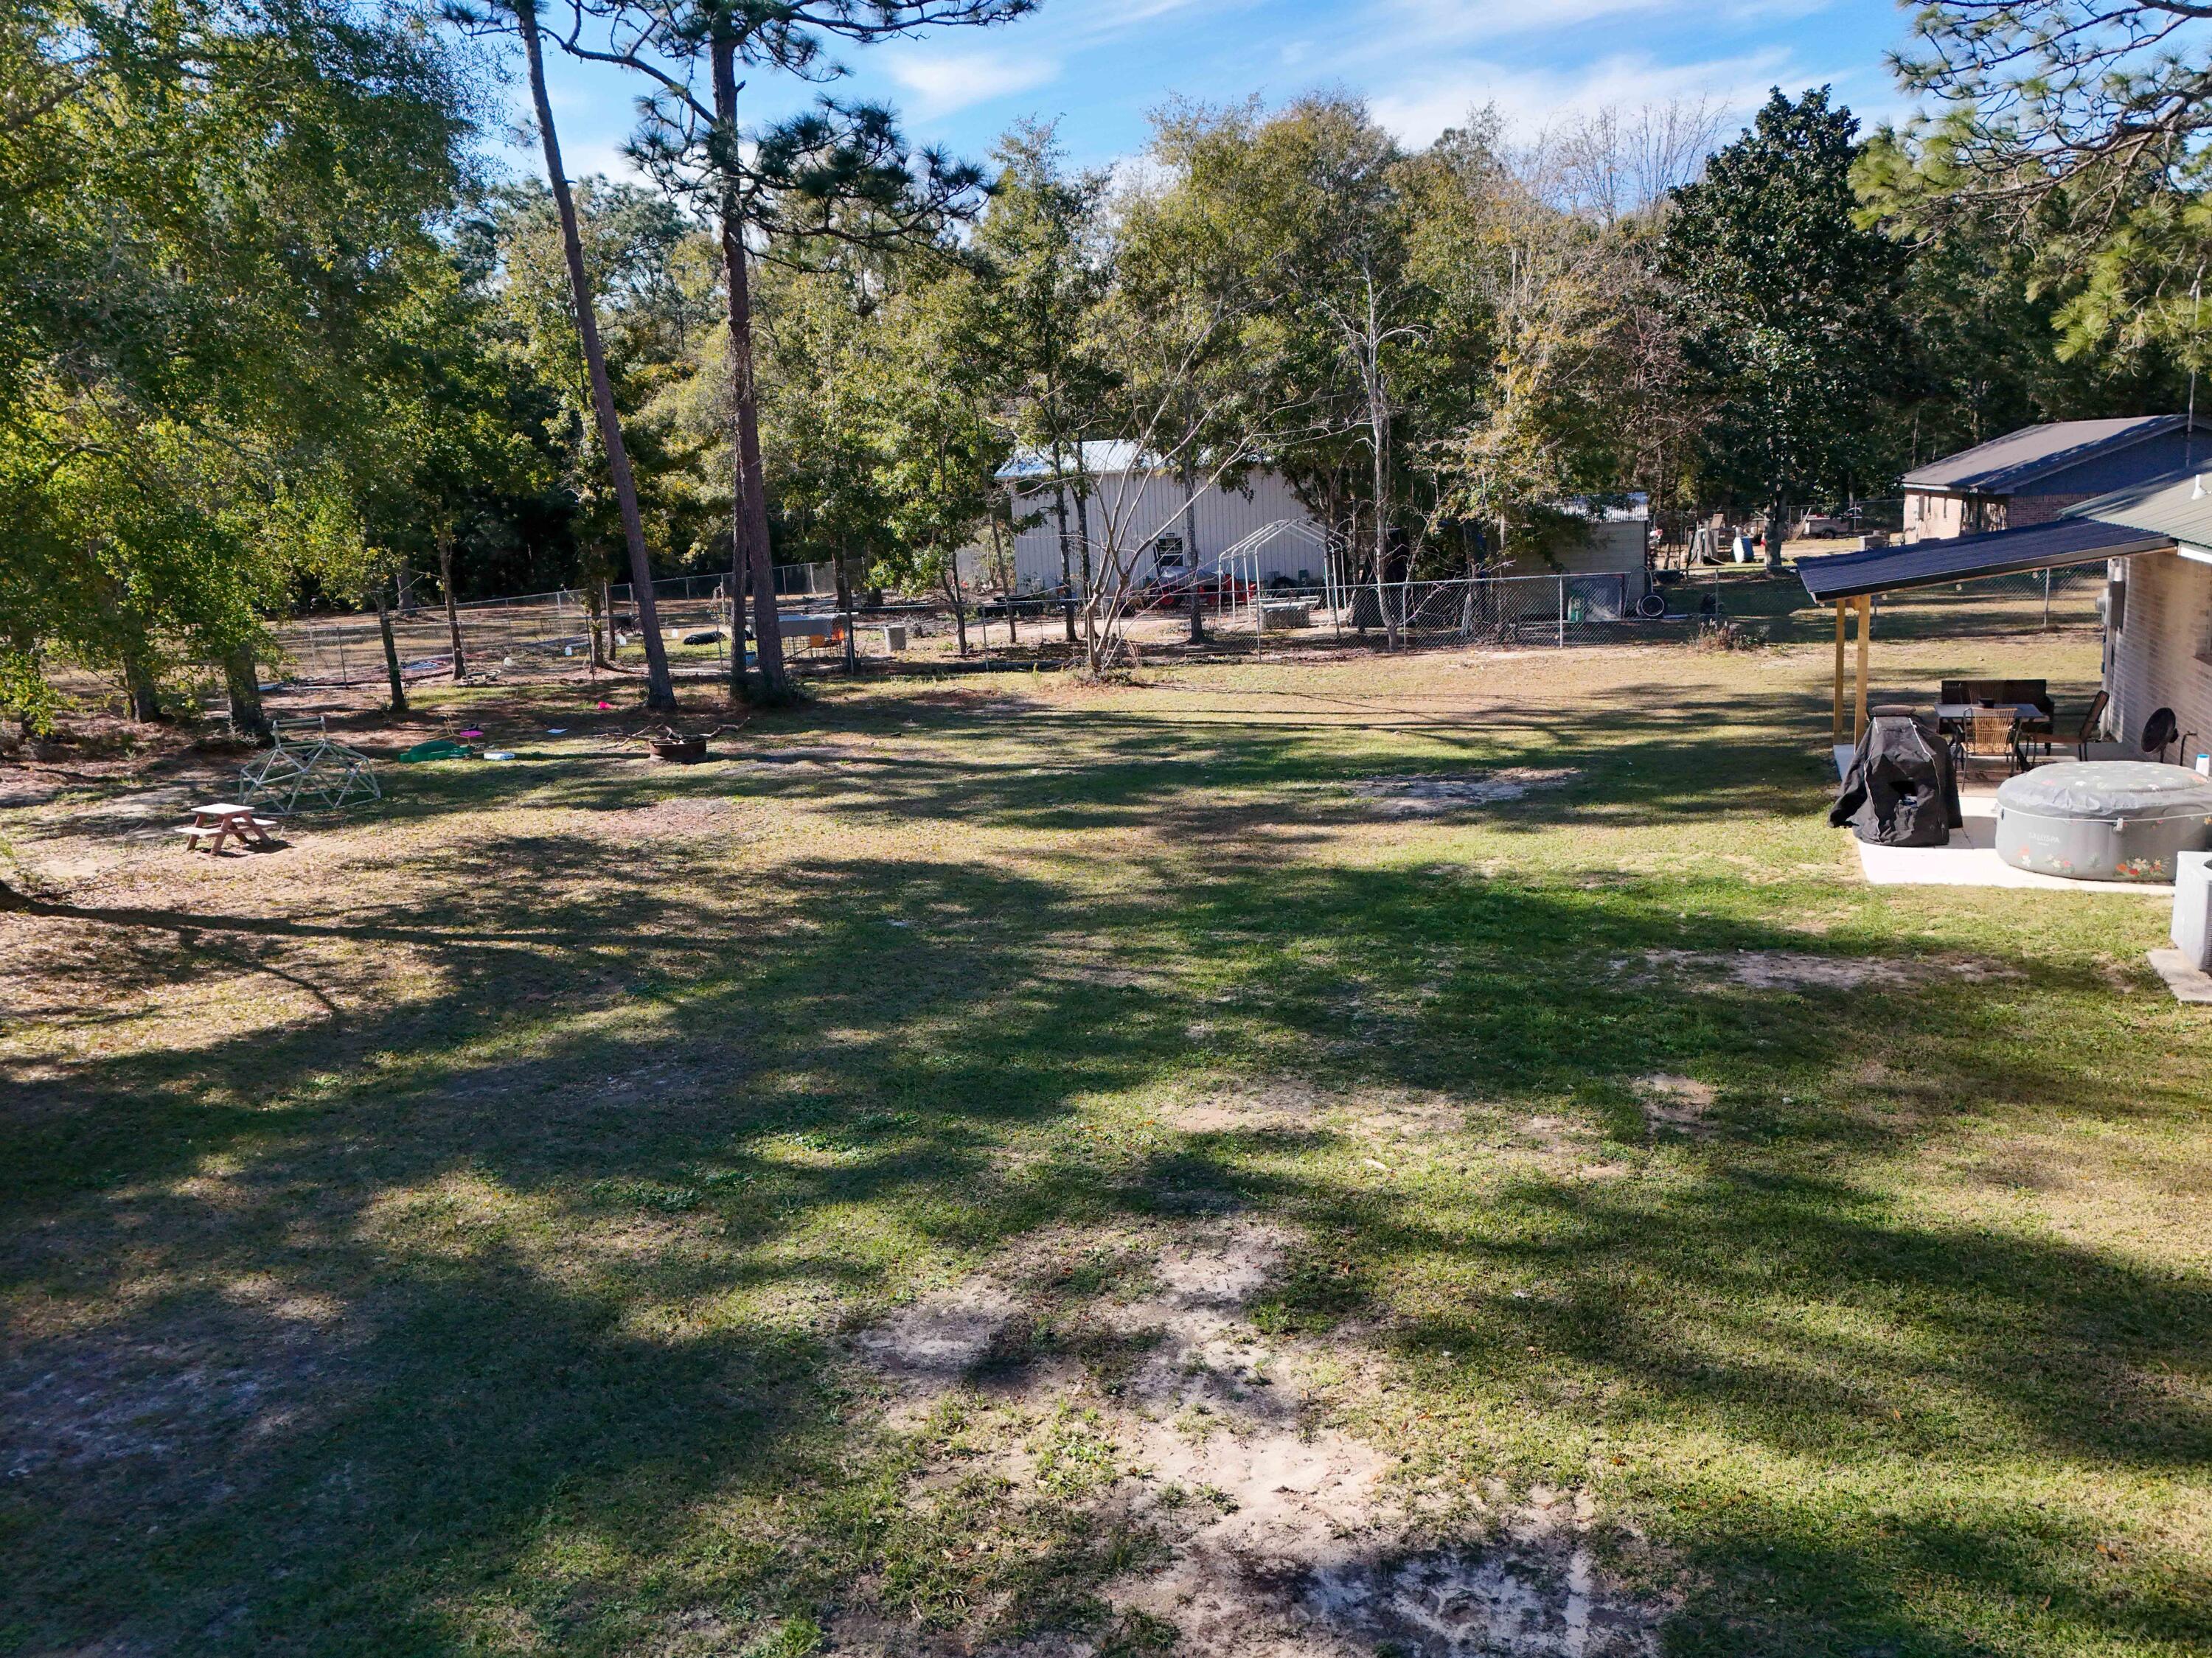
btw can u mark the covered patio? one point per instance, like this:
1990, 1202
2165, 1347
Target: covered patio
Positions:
1850, 582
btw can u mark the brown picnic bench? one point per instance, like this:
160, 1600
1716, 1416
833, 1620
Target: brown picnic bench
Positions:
223, 820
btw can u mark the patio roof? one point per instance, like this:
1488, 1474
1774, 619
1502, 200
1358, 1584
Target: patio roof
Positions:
2178, 507
2004, 552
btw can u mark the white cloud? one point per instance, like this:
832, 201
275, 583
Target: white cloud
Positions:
943, 81
583, 158
1417, 110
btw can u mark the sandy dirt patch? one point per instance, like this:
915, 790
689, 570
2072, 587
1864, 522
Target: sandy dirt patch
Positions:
1282, 1537
1438, 793
1768, 969
1680, 1104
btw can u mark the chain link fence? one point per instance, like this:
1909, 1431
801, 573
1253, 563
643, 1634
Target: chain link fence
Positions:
2028, 601
1592, 608
532, 633
550, 634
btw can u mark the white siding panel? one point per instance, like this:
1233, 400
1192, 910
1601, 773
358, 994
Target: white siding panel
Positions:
2159, 651
1153, 506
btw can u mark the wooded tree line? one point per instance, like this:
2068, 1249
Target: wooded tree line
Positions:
275, 331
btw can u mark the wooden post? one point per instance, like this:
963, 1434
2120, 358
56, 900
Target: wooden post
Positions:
1866, 622
1836, 724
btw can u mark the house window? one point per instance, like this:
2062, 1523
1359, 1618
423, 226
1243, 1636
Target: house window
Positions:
2116, 597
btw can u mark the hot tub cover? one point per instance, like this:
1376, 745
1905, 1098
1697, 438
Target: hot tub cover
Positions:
2121, 820
2109, 790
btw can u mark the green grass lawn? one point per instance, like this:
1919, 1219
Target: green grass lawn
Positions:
864, 1203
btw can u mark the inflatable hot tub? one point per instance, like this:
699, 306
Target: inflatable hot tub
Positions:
2117, 820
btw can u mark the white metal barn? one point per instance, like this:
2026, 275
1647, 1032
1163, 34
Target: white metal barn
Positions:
1149, 504
1260, 516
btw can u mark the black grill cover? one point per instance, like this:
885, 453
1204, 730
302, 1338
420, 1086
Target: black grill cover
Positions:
1900, 790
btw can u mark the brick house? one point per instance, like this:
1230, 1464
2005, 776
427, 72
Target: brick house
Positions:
2033, 475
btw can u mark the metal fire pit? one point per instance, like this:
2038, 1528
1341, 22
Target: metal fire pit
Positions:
683, 749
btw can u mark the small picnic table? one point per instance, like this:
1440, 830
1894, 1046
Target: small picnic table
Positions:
213, 823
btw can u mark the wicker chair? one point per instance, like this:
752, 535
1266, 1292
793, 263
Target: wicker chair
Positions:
1990, 734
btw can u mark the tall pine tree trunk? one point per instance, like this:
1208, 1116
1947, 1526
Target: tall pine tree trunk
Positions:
748, 498
659, 689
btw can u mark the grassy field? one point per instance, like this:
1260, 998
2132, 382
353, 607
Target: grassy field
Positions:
991, 1166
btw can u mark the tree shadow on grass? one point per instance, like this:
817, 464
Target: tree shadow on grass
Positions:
443, 1270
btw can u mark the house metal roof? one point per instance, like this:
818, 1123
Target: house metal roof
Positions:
2178, 505
1934, 563
2002, 465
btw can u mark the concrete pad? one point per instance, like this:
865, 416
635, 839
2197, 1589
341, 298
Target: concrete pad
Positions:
2187, 984
1971, 860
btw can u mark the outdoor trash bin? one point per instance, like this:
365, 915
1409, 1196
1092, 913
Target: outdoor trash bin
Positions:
2192, 909
1899, 790
2103, 820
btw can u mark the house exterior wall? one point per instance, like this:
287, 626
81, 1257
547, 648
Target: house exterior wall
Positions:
2023, 510
1939, 514
1151, 505
2157, 658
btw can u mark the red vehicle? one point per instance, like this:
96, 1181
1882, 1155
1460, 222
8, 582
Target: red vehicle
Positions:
1215, 591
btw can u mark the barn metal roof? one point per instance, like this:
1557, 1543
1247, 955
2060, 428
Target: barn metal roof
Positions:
2005, 552
1100, 458
2002, 465
2178, 505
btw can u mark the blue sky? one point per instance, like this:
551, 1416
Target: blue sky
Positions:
1099, 66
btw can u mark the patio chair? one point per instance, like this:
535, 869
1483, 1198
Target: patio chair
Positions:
2092, 726
1990, 734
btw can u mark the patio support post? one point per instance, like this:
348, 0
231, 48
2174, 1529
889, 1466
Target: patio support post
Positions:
1836, 723
1866, 622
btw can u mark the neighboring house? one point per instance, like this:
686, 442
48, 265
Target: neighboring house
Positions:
2033, 475
1262, 515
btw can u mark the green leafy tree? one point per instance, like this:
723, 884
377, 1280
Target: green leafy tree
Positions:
199, 318
1039, 245
1305, 215
1788, 307
1524, 378
936, 444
